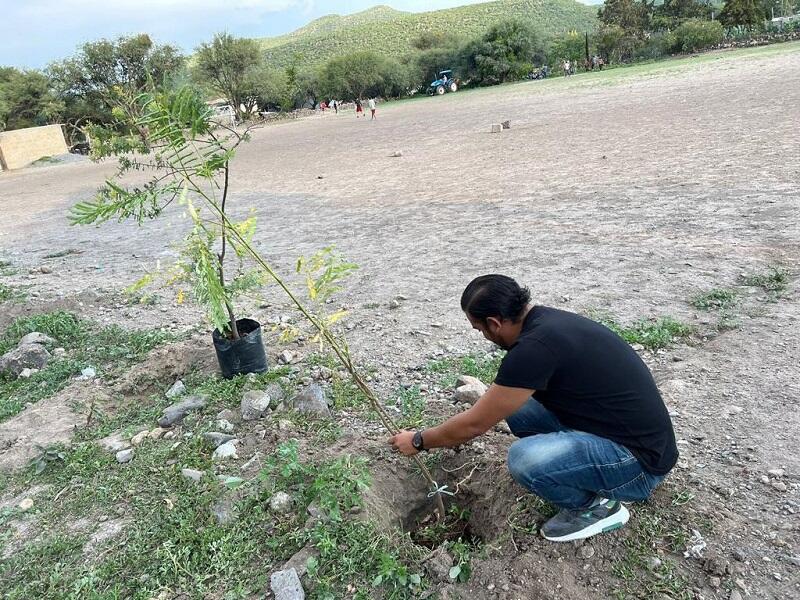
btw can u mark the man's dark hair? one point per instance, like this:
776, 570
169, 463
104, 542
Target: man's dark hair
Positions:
496, 296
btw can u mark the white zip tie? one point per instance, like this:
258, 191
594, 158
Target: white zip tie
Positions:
440, 490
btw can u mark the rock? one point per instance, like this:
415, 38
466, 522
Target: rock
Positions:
469, 393
125, 456
114, 442
438, 564
396, 154
26, 373
86, 374
275, 393
795, 560
30, 356
735, 595
224, 510
285, 357
286, 585
586, 551
394, 303
281, 502
779, 485
45, 270
653, 563
176, 390
311, 401
716, 566
215, 439
226, 450
59, 352
496, 127
467, 380
25, 504
175, 413
225, 425
299, 562
157, 433
506, 124
36, 337
739, 555
255, 404
637, 347
140, 437
227, 414
192, 474
776, 472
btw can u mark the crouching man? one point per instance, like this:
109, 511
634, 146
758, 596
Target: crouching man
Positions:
593, 430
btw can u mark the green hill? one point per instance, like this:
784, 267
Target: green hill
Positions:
391, 32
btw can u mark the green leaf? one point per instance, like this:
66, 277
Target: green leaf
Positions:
377, 581
455, 571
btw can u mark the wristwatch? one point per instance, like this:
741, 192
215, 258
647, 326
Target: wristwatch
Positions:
416, 441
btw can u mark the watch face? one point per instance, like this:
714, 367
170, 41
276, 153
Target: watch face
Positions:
416, 441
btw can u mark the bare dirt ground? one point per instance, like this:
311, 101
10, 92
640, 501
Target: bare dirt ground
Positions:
627, 192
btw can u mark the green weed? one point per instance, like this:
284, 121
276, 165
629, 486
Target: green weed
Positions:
775, 280
412, 408
715, 299
482, 366
652, 334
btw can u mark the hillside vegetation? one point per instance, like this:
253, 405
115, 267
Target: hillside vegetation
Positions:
390, 32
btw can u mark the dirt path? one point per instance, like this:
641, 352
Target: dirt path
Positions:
627, 192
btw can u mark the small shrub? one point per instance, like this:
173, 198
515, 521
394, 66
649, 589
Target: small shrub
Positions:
776, 280
715, 299
694, 34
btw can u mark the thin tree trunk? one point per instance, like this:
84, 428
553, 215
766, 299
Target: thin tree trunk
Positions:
221, 256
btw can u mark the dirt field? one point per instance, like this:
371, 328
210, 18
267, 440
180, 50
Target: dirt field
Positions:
626, 193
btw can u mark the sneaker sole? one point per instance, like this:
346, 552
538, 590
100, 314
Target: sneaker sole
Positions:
610, 523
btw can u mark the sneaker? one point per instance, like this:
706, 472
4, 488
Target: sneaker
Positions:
569, 525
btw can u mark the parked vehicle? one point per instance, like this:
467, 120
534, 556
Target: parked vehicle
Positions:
539, 73
445, 83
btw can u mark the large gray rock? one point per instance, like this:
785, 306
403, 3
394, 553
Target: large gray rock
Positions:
114, 443
226, 450
286, 585
438, 564
26, 356
311, 401
281, 502
467, 380
225, 510
299, 562
177, 389
255, 404
215, 439
469, 393
36, 337
175, 413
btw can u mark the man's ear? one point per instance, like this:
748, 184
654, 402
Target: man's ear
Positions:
493, 324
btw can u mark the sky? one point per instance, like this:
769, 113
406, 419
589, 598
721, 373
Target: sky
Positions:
34, 33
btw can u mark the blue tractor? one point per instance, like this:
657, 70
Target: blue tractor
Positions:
445, 83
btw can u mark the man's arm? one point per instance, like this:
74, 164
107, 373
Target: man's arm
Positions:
495, 405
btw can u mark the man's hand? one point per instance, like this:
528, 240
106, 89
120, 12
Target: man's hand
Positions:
402, 443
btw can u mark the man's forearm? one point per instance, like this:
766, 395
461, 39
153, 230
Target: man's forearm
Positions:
456, 430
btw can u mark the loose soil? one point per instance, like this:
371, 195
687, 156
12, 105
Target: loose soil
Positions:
626, 192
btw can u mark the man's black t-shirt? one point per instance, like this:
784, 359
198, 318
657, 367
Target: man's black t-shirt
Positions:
593, 381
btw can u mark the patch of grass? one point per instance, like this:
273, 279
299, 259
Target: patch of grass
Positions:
482, 366
652, 334
412, 408
774, 281
7, 268
11, 294
104, 348
346, 394
645, 535
715, 299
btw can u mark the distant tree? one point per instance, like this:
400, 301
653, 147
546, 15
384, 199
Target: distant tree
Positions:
100, 73
571, 46
426, 64
436, 39
231, 67
615, 44
742, 12
631, 15
27, 100
672, 13
506, 52
353, 75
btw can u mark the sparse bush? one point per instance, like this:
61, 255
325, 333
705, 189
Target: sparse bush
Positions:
694, 34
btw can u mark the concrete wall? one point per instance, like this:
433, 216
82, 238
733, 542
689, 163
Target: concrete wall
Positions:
21, 147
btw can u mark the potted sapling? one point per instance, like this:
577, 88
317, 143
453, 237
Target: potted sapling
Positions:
172, 137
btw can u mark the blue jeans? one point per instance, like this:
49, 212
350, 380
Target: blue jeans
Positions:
572, 468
